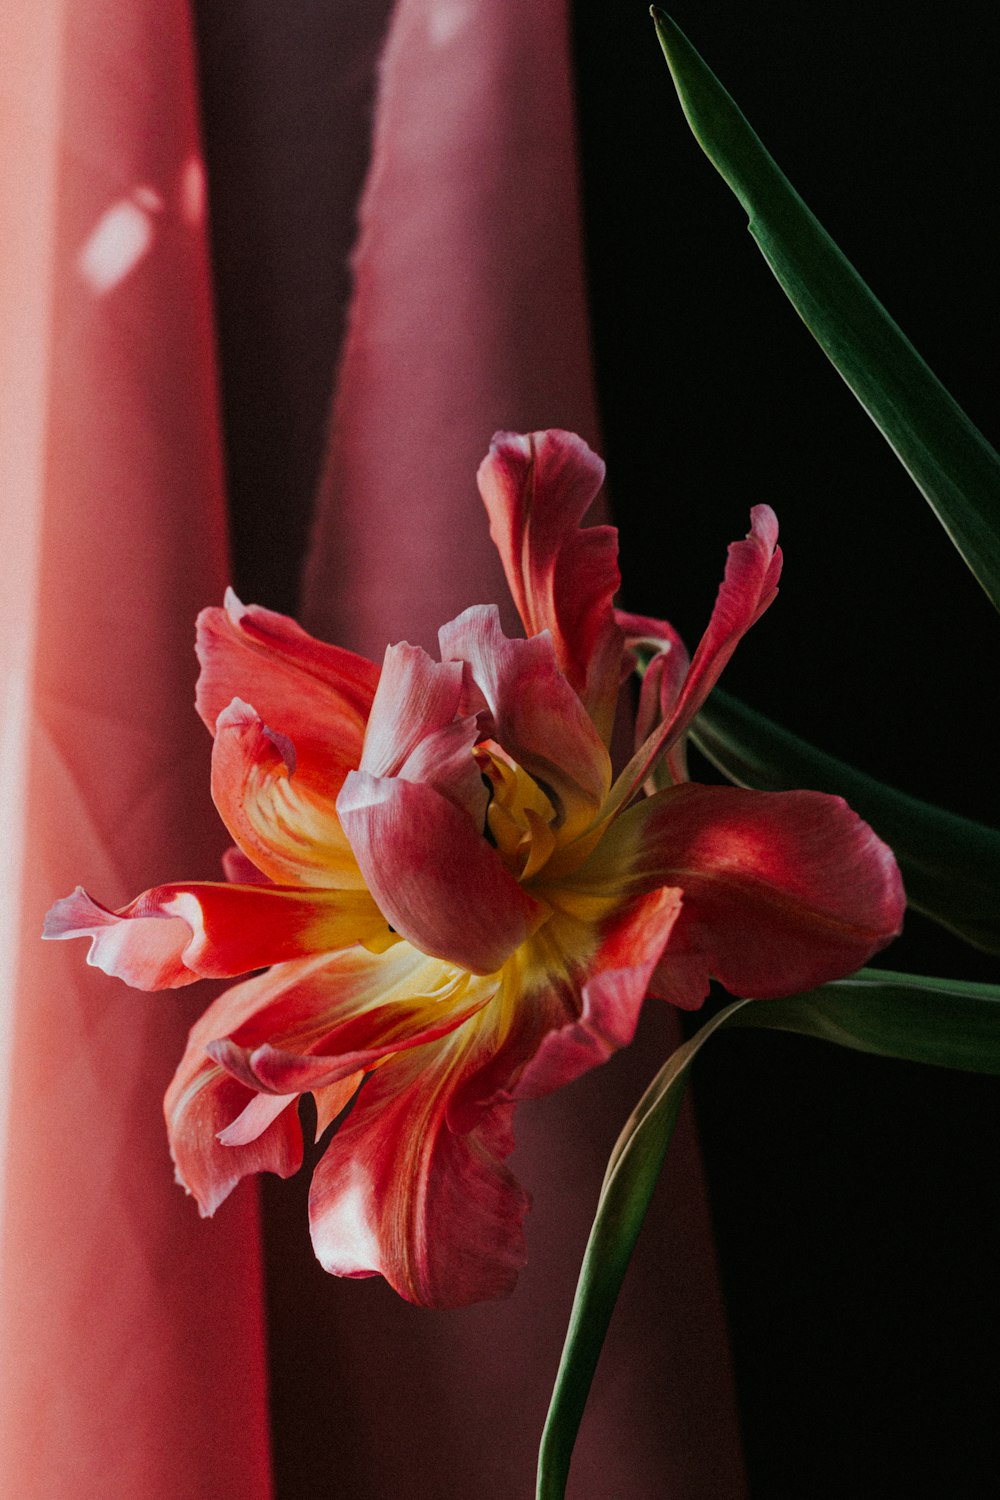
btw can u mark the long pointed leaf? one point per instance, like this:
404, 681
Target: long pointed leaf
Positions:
942, 1021
950, 864
628, 1187
947, 1022
946, 455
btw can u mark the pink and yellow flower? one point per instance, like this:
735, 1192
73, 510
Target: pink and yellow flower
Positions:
456, 902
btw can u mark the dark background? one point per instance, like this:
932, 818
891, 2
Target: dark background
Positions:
855, 1200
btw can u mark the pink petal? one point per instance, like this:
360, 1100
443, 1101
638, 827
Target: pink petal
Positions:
261, 1112
413, 730
415, 696
782, 890
317, 695
748, 587
288, 829
239, 870
537, 489
537, 717
398, 1193
433, 874
174, 934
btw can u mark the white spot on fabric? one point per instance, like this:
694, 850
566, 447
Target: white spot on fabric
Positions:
120, 240
446, 19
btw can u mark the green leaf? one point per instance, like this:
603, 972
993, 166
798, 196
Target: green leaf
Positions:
950, 864
945, 454
946, 1022
628, 1186
941, 1021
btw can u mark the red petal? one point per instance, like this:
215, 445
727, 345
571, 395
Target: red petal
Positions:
291, 1005
537, 489
612, 997
433, 874
571, 998
749, 586
318, 695
348, 1013
537, 718
782, 890
400, 1194
284, 826
174, 934
661, 683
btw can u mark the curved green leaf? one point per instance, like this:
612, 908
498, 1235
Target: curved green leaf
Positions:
628, 1186
950, 864
945, 454
942, 1021
948, 1022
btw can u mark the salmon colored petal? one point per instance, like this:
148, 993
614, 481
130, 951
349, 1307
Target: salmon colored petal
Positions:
213, 1117
413, 731
318, 695
433, 874
174, 934
296, 1006
200, 1104
782, 890
356, 1042
399, 1194
750, 584
288, 829
537, 717
536, 489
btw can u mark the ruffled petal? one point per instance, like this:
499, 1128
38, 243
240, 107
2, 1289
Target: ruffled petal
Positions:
569, 999
433, 874
400, 1194
661, 683
286, 828
536, 489
203, 1102
612, 995
174, 934
413, 731
536, 716
750, 584
221, 1126
348, 1013
318, 695
782, 890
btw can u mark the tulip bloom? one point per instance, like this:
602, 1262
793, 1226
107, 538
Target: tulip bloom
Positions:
456, 903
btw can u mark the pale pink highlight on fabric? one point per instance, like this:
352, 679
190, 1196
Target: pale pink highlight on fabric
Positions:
112, 488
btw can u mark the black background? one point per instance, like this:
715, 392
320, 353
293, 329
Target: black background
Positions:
855, 1200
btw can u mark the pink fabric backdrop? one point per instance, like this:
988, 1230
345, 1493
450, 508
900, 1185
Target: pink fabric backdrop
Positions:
130, 1332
